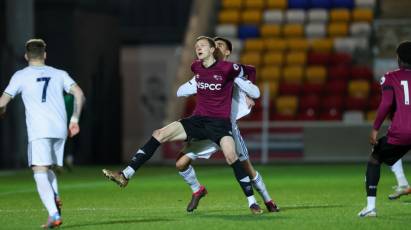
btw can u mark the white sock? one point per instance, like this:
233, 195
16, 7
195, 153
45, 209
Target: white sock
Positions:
251, 200
370, 202
190, 178
398, 171
128, 172
260, 186
53, 181
46, 192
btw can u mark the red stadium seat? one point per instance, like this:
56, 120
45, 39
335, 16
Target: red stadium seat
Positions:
282, 117
361, 72
374, 102
289, 89
339, 73
332, 102
309, 88
310, 102
331, 115
375, 88
341, 59
308, 115
355, 103
336, 87
315, 58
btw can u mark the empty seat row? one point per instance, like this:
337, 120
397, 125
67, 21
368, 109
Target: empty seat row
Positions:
298, 4
294, 16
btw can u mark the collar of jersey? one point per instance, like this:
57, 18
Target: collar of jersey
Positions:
212, 65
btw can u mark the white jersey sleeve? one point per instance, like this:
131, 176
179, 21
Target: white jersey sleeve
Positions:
14, 87
187, 89
68, 82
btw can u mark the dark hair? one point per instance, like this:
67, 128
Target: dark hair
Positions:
404, 52
226, 41
210, 40
35, 48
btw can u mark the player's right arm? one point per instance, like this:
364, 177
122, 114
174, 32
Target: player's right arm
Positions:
187, 89
4, 100
79, 100
387, 101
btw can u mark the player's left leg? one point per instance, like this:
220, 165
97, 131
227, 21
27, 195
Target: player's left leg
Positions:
228, 147
256, 178
402, 188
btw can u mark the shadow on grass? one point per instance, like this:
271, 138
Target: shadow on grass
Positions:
311, 206
248, 217
97, 223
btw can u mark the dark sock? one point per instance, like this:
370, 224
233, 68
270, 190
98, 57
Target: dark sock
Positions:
144, 154
372, 178
242, 178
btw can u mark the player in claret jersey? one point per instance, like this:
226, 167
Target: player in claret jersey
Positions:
241, 106
396, 143
210, 120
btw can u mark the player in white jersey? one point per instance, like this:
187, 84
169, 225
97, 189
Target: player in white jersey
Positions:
241, 106
42, 88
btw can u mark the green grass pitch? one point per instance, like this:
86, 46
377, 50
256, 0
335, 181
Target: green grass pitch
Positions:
310, 197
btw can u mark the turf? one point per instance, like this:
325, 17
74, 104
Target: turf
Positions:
310, 197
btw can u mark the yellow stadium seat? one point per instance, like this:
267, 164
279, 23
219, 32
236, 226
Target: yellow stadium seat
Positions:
322, 45
362, 14
255, 4
338, 29
316, 74
270, 30
253, 44
293, 30
277, 4
293, 74
340, 15
275, 44
251, 58
272, 87
231, 4
273, 58
359, 88
296, 58
297, 44
270, 73
251, 16
229, 17
286, 105
371, 115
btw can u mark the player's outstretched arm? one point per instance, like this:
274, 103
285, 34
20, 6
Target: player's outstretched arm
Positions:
248, 87
79, 100
4, 100
187, 89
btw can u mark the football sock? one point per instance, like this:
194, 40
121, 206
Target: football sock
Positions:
371, 178
260, 187
190, 178
46, 192
128, 172
398, 171
251, 200
242, 178
144, 154
370, 202
53, 181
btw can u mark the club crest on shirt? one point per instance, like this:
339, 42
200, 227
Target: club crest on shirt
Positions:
197, 76
235, 66
382, 80
218, 77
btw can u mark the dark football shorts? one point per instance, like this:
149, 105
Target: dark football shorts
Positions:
388, 153
201, 128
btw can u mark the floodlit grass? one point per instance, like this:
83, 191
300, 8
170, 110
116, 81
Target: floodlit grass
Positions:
310, 197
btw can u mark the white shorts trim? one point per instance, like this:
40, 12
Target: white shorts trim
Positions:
46, 151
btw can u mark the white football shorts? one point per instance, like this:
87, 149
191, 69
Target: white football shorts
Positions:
206, 148
46, 151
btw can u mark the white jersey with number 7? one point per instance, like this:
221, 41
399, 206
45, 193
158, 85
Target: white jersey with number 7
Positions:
42, 89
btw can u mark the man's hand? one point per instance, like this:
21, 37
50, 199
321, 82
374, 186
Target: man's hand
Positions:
250, 102
373, 137
74, 129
